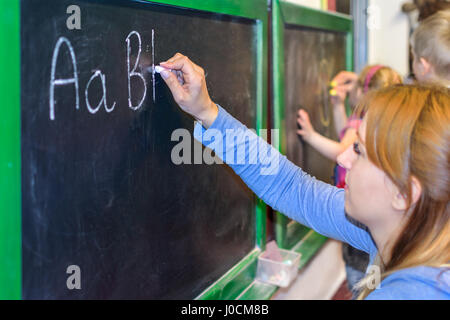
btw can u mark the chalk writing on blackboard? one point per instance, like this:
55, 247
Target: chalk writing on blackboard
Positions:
324, 78
98, 73
153, 64
132, 73
60, 82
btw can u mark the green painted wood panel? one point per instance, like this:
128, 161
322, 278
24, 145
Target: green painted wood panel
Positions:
252, 9
10, 205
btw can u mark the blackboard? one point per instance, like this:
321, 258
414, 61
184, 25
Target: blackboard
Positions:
312, 58
99, 189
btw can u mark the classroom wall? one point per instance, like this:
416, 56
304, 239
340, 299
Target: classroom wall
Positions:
388, 35
316, 4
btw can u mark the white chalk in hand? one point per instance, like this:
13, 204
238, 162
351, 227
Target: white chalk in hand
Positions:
158, 69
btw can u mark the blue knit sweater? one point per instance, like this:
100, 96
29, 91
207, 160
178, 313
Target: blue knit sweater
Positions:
320, 206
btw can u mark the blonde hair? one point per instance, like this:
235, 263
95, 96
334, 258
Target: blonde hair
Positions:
431, 40
382, 78
408, 135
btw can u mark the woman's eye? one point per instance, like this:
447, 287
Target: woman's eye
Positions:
356, 148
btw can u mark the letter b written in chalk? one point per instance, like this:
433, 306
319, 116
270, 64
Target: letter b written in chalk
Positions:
74, 280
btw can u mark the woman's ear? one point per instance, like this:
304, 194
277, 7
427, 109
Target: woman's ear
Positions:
416, 189
399, 202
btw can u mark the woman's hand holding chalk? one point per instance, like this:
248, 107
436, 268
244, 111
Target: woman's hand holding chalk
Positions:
158, 69
164, 72
192, 95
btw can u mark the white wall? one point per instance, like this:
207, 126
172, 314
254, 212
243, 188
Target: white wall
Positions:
316, 4
388, 35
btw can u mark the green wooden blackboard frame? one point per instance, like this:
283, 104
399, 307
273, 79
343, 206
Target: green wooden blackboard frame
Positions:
290, 234
10, 196
237, 282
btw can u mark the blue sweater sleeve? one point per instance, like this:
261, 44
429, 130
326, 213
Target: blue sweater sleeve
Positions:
280, 183
418, 283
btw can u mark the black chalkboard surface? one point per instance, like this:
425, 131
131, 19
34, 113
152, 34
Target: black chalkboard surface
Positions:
312, 58
99, 188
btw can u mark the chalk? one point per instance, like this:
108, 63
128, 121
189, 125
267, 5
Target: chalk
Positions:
157, 69
334, 84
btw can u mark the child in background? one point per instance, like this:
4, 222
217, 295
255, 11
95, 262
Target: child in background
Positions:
371, 78
430, 44
417, 12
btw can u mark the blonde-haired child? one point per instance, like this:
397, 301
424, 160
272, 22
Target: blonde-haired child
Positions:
430, 44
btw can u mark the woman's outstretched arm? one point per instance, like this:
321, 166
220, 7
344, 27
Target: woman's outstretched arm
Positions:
270, 175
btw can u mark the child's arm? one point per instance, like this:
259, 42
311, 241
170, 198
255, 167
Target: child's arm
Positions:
339, 116
345, 82
327, 147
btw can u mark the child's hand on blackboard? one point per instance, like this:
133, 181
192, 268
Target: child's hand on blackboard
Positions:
307, 129
189, 88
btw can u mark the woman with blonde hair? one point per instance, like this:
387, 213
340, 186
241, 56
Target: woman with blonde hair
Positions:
398, 181
372, 77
